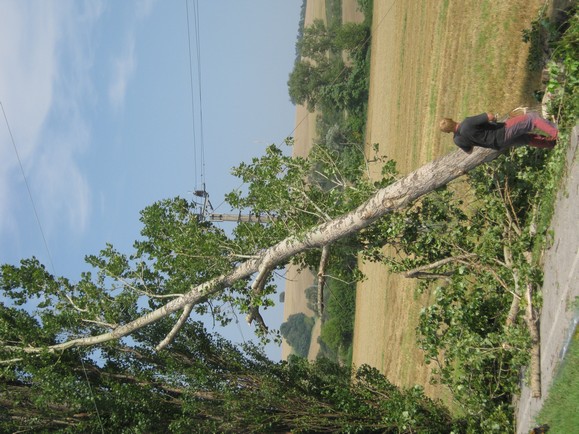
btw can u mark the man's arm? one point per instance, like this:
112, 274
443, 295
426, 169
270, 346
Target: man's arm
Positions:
463, 144
479, 120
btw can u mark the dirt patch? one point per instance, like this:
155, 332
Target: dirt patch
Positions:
430, 59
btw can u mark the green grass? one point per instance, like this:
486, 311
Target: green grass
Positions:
561, 409
333, 12
553, 177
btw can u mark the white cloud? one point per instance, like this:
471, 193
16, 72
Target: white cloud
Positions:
45, 55
125, 64
123, 70
144, 8
28, 38
61, 189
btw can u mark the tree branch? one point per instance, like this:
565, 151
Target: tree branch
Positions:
176, 328
322, 214
396, 196
421, 271
322, 277
532, 323
101, 323
254, 315
80, 309
514, 310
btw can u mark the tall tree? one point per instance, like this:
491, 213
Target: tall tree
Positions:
321, 78
195, 266
111, 306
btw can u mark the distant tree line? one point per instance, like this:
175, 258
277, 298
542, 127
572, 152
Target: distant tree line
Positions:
331, 77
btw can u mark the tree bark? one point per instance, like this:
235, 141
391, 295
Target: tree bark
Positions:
532, 322
394, 197
322, 278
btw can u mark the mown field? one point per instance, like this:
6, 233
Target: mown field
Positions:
431, 59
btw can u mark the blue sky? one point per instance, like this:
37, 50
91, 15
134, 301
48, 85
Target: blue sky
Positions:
98, 98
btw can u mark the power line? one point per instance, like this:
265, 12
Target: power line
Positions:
27, 187
199, 87
192, 94
199, 165
200, 110
49, 255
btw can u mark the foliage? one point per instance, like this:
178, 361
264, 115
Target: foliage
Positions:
299, 193
297, 331
366, 7
312, 297
321, 79
340, 307
296, 193
177, 251
202, 384
301, 25
541, 33
564, 75
485, 244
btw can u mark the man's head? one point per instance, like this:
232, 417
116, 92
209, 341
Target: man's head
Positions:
447, 125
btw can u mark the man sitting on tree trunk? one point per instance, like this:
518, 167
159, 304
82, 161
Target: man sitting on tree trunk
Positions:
484, 130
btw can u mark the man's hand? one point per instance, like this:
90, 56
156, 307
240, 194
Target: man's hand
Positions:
492, 117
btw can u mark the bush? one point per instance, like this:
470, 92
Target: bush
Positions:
297, 331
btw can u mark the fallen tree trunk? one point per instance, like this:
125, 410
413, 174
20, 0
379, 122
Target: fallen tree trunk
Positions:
394, 197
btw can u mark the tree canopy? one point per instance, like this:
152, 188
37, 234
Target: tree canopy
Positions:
114, 319
321, 78
203, 384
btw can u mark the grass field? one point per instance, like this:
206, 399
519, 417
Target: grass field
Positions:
429, 60
560, 411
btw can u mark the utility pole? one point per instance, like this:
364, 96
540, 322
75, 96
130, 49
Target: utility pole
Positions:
207, 213
250, 218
